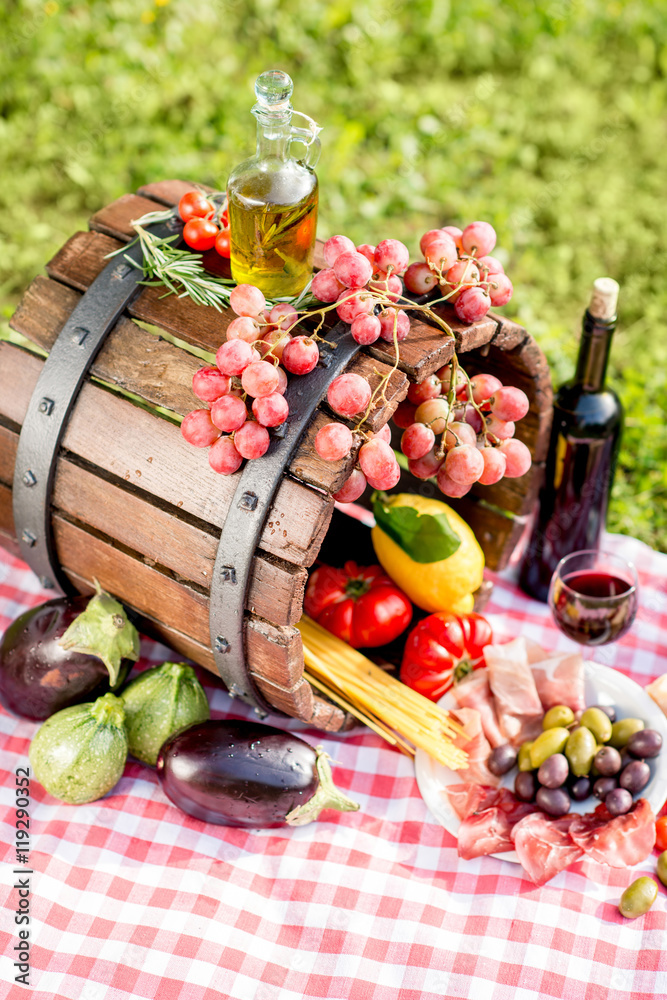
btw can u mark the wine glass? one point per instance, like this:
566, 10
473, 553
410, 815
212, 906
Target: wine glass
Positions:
593, 596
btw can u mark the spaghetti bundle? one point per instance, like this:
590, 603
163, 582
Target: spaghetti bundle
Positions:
397, 713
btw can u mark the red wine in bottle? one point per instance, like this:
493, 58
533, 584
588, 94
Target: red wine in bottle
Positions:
585, 438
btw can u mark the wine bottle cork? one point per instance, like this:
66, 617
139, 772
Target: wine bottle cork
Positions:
604, 298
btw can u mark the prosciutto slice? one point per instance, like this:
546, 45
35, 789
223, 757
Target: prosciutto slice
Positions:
475, 692
617, 841
559, 679
517, 702
466, 797
544, 845
488, 828
475, 745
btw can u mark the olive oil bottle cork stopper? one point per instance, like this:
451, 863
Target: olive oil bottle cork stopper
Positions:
604, 298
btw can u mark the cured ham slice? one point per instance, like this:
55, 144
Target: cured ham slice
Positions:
475, 692
617, 841
466, 797
487, 829
517, 702
544, 845
559, 679
476, 746
657, 689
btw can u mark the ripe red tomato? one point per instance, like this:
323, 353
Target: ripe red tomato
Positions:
359, 604
661, 833
223, 243
200, 234
442, 649
193, 205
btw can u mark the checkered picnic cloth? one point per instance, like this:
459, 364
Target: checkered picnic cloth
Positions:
130, 898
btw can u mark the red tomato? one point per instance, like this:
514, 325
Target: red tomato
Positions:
442, 649
661, 833
359, 604
223, 243
193, 205
200, 234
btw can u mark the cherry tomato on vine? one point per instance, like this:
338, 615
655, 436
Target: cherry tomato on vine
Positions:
223, 243
359, 604
442, 649
193, 205
661, 833
200, 234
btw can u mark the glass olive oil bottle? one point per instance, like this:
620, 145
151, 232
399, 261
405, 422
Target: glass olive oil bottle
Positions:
273, 196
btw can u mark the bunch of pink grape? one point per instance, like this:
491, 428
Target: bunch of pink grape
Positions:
463, 436
245, 388
361, 278
459, 261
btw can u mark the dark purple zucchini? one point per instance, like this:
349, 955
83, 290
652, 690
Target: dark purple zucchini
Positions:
239, 773
63, 652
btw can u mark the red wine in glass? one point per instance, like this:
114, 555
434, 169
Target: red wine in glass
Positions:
593, 597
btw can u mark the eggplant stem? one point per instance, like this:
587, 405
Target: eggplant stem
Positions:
327, 795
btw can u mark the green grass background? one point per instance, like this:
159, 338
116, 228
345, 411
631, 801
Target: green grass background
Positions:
546, 118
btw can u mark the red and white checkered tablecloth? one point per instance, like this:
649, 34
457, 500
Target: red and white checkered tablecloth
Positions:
130, 898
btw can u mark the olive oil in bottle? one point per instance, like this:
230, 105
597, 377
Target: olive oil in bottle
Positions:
273, 197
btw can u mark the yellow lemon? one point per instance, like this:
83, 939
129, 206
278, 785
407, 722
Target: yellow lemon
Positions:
446, 585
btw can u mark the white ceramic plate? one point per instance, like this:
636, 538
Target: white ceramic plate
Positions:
604, 686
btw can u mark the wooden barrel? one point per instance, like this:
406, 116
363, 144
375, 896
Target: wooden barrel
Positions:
137, 508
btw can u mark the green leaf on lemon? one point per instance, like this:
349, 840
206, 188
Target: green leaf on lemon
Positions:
426, 538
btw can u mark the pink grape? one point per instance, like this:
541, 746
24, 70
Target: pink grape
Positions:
449, 487
445, 376
434, 413
352, 488
472, 417
492, 265
284, 315
518, 458
391, 287
349, 394
391, 255
252, 440
502, 429
483, 387
333, 441
353, 269
464, 432
273, 344
384, 433
495, 464
378, 464
429, 388
404, 415
432, 236
353, 303
464, 464
334, 247
198, 428
246, 300
417, 441
419, 279
479, 238
455, 234
234, 356
472, 305
394, 320
229, 413
326, 287
463, 274
386, 481
210, 384
500, 289
282, 380
260, 379
509, 403
223, 457
426, 467
271, 411
244, 328
368, 251
365, 329
300, 355
441, 253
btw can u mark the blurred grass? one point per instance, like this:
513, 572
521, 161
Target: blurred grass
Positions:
546, 118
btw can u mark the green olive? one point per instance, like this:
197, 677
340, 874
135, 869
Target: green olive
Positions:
662, 867
622, 730
559, 715
638, 898
598, 722
523, 760
549, 742
580, 750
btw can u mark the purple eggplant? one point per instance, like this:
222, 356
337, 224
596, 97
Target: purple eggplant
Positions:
239, 773
64, 652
